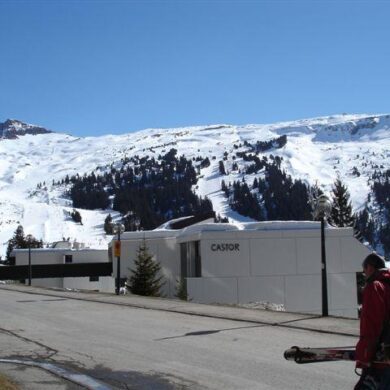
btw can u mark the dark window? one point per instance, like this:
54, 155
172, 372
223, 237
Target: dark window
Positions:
68, 259
183, 259
198, 263
191, 265
94, 278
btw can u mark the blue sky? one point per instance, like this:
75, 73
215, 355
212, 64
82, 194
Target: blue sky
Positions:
99, 67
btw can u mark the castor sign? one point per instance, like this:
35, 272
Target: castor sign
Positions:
226, 247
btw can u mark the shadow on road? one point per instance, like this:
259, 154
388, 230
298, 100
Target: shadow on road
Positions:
213, 331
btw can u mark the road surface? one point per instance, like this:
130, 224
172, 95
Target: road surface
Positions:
131, 348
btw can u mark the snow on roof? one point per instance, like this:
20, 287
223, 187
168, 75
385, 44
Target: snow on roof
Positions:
35, 250
147, 234
197, 229
167, 225
280, 225
201, 227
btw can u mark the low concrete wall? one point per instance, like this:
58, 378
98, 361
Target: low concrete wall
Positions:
104, 284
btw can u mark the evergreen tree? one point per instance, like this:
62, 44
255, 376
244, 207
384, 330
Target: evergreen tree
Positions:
224, 188
76, 216
19, 241
145, 279
222, 170
384, 236
181, 289
341, 214
108, 227
19, 237
365, 226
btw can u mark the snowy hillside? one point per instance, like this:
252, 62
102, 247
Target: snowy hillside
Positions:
317, 150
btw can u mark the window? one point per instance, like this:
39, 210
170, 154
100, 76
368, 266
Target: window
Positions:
94, 278
191, 266
68, 259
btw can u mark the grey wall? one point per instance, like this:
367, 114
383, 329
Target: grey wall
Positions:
56, 256
281, 267
164, 250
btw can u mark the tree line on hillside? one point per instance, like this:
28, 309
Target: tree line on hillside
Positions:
277, 196
20, 241
374, 220
263, 146
146, 191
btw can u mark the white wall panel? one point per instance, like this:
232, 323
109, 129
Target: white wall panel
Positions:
342, 291
308, 256
224, 263
303, 293
195, 289
352, 254
273, 257
333, 254
47, 282
261, 289
220, 290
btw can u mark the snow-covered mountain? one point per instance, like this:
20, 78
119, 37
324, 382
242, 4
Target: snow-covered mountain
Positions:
13, 128
317, 150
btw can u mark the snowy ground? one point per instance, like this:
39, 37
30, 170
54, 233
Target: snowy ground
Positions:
317, 150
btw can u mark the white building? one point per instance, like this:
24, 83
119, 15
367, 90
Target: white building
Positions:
64, 252
277, 262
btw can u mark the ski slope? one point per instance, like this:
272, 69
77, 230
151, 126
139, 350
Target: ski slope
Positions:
317, 151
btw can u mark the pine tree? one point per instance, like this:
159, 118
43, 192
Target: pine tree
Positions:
181, 289
108, 227
341, 214
145, 279
222, 170
19, 241
19, 237
224, 188
76, 216
365, 226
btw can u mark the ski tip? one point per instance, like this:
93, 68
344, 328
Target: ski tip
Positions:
291, 353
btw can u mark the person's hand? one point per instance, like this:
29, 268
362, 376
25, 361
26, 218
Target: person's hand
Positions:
367, 380
362, 365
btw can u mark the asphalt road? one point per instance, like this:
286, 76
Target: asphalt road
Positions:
130, 348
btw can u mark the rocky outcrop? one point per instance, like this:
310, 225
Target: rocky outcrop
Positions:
12, 129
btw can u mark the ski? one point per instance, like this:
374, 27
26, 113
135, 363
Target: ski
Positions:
317, 355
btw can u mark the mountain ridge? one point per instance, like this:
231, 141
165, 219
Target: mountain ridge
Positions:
14, 128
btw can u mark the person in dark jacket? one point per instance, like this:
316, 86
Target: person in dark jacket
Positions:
374, 324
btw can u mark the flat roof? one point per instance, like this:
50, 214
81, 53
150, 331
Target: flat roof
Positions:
58, 250
195, 231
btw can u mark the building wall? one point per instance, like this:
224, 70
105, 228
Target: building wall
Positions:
164, 250
281, 267
57, 256
104, 284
